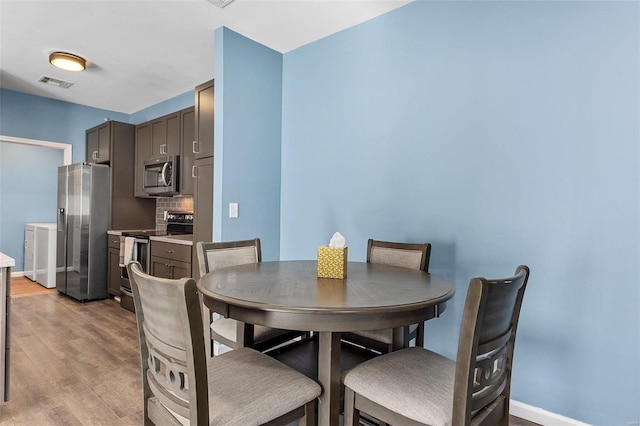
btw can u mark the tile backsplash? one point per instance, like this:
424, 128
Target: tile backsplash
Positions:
171, 204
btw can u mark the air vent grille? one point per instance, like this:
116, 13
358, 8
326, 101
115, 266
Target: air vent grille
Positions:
55, 82
221, 3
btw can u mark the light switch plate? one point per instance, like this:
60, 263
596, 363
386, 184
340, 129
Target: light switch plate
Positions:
233, 210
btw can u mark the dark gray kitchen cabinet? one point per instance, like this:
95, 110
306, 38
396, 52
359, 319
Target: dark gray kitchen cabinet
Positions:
170, 260
127, 211
203, 141
187, 120
113, 273
142, 153
202, 205
98, 142
202, 168
171, 134
165, 135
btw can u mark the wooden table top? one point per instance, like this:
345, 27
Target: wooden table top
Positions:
289, 295
293, 287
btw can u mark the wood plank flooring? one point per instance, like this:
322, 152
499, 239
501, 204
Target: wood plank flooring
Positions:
75, 363
72, 363
23, 287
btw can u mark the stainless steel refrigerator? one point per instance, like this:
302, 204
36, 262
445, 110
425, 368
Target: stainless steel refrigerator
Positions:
83, 220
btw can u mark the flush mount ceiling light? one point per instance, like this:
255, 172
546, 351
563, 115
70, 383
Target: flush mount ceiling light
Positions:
67, 61
221, 3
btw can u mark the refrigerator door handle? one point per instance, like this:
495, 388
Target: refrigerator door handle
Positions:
61, 220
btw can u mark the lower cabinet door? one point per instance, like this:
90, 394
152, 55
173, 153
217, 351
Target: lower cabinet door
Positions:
160, 267
114, 272
168, 268
180, 269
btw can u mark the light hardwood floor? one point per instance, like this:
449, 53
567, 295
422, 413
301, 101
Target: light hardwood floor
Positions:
72, 363
23, 287
75, 363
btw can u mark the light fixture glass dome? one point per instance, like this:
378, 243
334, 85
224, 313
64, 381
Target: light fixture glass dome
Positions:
67, 61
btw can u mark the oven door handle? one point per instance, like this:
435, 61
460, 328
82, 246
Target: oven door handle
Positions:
126, 291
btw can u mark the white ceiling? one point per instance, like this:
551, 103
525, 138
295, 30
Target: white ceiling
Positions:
142, 52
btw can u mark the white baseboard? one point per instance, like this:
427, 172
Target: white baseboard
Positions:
17, 274
540, 416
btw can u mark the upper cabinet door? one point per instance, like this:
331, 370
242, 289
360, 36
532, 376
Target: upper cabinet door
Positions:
98, 140
186, 154
173, 134
92, 146
203, 142
104, 143
142, 154
165, 135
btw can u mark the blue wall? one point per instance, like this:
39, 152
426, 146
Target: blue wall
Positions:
503, 133
35, 168
28, 178
458, 123
248, 96
35, 117
28, 174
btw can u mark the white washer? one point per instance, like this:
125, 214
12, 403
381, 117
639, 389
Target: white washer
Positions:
40, 253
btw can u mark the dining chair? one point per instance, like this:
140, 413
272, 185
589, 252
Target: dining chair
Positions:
405, 255
228, 331
181, 385
415, 386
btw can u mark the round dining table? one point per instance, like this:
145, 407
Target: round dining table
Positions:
289, 295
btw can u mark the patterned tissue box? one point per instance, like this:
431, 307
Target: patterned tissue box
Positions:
332, 262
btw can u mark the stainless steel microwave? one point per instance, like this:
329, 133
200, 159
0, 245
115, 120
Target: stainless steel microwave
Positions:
161, 176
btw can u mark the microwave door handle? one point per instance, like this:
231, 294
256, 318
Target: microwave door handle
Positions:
163, 175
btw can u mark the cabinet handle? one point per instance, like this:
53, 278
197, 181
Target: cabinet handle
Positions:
194, 173
196, 147
163, 148
169, 251
94, 155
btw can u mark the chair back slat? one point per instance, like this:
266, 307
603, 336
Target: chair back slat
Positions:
404, 255
218, 259
403, 258
212, 256
172, 345
485, 348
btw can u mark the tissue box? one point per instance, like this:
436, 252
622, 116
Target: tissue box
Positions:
332, 262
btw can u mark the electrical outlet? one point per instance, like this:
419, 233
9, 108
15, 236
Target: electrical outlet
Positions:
233, 210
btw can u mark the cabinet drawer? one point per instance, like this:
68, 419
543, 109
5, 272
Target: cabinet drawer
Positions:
114, 241
178, 252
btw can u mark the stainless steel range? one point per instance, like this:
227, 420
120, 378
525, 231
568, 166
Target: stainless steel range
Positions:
135, 246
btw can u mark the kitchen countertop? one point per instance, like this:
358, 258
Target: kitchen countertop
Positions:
120, 231
186, 239
6, 261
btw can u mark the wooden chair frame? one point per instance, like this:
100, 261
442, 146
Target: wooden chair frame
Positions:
408, 335
244, 332
175, 380
482, 382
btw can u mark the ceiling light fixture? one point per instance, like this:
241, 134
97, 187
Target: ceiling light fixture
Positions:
67, 61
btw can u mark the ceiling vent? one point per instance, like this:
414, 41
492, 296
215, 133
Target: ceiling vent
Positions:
55, 82
221, 3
